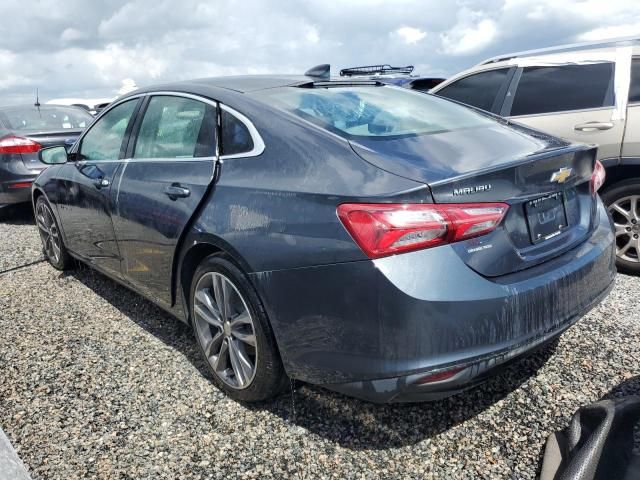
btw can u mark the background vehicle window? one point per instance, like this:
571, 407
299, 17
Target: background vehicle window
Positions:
235, 135
176, 127
563, 88
634, 88
104, 140
479, 90
46, 118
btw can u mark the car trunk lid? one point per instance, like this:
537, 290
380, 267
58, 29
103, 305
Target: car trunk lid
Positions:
545, 181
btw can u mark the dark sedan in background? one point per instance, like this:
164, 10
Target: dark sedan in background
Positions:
384, 243
24, 130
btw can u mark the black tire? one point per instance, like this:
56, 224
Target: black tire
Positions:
45, 219
269, 378
615, 193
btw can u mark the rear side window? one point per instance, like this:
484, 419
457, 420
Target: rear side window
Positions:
479, 90
236, 138
563, 88
176, 127
634, 88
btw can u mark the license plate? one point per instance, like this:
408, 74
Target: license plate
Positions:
547, 216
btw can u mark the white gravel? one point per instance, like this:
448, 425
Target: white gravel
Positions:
97, 383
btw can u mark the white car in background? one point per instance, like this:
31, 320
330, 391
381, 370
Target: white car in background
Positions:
588, 93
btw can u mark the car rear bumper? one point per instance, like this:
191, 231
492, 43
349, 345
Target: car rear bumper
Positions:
14, 192
15, 180
371, 329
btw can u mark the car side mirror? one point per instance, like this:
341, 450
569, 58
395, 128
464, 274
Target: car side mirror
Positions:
53, 155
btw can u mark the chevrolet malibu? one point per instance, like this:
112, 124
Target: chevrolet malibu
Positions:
386, 244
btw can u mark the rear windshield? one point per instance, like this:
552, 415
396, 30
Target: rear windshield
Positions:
45, 118
374, 111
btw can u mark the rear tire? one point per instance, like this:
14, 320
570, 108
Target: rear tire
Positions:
623, 202
233, 332
51, 236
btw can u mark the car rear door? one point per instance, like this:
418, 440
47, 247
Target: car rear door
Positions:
85, 185
172, 160
575, 102
631, 142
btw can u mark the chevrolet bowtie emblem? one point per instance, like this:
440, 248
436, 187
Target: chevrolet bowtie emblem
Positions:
561, 175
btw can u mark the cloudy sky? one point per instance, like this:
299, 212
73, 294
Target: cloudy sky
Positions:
85, 48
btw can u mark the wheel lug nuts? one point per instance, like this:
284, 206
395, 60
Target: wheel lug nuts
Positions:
628, 229
635, 236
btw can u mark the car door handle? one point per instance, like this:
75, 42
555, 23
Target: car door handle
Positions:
176, 191
102, 183
591, 126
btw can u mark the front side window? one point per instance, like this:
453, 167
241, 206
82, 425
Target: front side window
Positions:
374, 111
563, 88
176, 127
479, 90
634, 88
104, 140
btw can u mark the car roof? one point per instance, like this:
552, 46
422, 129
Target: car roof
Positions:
241, 83
510, 59
568, 48
231, 90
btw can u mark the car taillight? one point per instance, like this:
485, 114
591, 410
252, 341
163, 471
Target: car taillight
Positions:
12, 145
597, 177
385, 229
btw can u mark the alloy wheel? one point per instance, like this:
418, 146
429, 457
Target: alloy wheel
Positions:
626, 218
48, 232
225, 330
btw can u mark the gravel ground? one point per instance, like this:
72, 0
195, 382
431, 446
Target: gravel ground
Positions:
97, 383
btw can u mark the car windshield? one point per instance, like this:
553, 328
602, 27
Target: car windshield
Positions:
368, 111
45, 118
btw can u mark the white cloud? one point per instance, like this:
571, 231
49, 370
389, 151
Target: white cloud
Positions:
611, 31
312, 35
78, 48
410, 35
472, 33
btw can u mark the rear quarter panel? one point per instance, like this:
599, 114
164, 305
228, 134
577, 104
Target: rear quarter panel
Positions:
278, 210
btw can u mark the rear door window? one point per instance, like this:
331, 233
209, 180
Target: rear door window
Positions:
479, 90
563, 88
176, 127
634, 88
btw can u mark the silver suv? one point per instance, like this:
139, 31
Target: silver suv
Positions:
584, 92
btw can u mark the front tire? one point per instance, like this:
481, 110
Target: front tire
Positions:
233, 332
623, 202
52, 244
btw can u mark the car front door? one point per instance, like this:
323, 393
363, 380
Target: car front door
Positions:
170, 167
85, 185
575, 102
